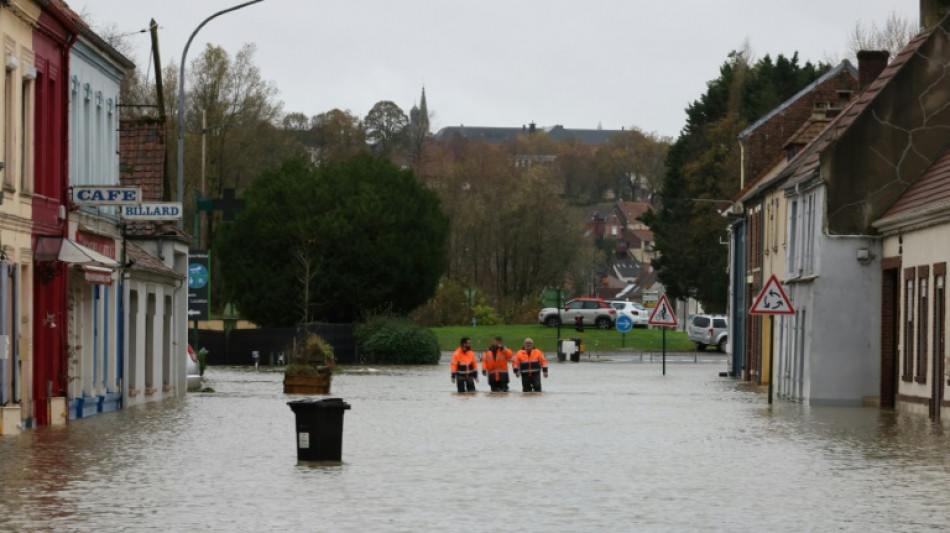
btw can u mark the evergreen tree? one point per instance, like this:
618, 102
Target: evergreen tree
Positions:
703, 163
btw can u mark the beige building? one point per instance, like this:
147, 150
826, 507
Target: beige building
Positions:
16, 302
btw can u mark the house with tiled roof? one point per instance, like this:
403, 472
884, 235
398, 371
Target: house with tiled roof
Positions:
95, 288
916, 230
839, 346
156, 264
757, 218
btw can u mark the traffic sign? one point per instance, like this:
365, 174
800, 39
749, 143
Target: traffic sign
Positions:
772, 300
662, 314
624, 323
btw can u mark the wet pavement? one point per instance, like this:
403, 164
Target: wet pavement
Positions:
611, 445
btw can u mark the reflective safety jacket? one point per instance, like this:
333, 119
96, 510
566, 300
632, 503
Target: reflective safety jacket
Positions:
464, 364
532, 362
495, 360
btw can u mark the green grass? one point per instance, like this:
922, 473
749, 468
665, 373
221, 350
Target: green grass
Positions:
545, 338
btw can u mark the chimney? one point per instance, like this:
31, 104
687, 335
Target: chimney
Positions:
932, 12
870, 65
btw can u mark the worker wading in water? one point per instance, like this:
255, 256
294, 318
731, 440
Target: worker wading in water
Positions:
495, 365
464, 366
530, 363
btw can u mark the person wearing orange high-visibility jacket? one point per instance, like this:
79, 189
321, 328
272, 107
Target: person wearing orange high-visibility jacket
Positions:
495, 365
464, 366
530, 363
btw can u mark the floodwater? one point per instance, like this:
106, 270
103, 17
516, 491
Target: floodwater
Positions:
608, 446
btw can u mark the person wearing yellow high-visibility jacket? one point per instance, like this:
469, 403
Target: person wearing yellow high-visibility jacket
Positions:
530, 363
495, 365
464, 366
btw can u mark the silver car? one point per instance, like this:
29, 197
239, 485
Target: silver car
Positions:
709, 330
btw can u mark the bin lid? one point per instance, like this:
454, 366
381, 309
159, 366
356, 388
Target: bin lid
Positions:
319, 403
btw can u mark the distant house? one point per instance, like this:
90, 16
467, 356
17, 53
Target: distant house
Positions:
502, 135
757, 227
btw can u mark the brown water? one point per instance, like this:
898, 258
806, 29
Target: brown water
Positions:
609, 446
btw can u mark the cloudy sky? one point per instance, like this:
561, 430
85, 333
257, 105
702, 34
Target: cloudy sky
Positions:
582, 64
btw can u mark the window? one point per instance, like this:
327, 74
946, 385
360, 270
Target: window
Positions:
939, 331
793, 231
922, 338
775, 210
908, 324
26, 146
809, 234
9, 120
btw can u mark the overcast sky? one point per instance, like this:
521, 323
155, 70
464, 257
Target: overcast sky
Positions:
578, 63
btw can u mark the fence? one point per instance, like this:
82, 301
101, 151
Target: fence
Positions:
234, 347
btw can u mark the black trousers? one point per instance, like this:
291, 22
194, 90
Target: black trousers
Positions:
531, 382
500, 384
466, 384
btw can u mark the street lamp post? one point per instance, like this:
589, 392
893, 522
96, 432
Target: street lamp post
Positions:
181, 102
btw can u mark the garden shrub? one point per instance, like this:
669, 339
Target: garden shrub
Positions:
396, 341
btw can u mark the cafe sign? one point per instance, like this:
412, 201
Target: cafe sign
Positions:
104, 195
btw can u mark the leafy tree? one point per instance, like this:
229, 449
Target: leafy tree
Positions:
386, 127
333, 242
337, 135
513, 232
703, 164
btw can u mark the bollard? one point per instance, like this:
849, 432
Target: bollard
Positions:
319, 428
576, 354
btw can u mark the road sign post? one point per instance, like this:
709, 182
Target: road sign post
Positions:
663, 315
624, 324
772, 301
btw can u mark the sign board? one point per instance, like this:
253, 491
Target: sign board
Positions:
102, 195
152, 211
552, 298
772, 300
662, 314
199, 284
624, 323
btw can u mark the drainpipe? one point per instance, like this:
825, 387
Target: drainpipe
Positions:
15, 335
4, 287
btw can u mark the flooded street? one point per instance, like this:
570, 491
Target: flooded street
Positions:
609, 446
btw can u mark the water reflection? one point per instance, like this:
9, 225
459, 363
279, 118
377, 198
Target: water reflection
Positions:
608, 446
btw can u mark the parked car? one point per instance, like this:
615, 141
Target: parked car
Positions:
637, 313
593, 312
193, 369
709, 330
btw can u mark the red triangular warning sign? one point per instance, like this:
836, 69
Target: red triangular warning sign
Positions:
772, 300
662, 314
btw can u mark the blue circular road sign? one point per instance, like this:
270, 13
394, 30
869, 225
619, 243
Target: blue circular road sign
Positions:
624, 323
197, 276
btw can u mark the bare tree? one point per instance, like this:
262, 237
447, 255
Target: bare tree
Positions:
892, 36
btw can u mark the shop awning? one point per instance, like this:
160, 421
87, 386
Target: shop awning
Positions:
97, 268
73, 252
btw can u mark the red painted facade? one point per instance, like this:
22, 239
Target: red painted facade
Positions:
51, 43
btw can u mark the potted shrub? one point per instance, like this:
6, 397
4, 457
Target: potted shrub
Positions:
310, 367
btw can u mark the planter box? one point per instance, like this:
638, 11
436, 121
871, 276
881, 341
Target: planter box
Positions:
319, 384
10, 420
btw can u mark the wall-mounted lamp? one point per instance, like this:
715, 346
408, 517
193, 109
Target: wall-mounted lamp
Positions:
864, 255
